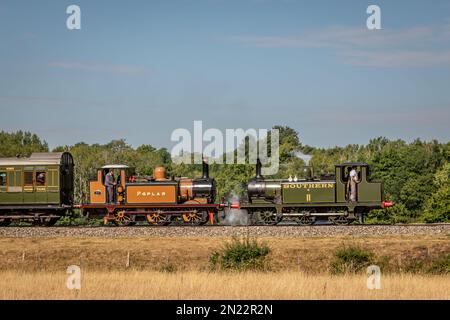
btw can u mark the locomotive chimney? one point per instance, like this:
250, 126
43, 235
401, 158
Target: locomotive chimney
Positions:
258, 169
205, 169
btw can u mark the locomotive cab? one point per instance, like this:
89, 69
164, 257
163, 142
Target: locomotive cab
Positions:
366, 190
96, 186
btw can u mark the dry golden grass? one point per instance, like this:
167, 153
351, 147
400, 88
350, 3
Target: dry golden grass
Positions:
34, 268
203, 285
311, 255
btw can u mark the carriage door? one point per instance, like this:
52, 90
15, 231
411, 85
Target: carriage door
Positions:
28, 185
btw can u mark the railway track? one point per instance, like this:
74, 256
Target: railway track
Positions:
229, 231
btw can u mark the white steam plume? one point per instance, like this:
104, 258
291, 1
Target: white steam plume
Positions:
235, 217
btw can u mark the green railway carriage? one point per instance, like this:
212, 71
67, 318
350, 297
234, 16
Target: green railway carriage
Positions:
308, 199
37, 188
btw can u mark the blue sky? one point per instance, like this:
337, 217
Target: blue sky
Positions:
140, 69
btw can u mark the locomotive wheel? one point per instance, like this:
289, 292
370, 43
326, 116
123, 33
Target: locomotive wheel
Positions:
305, 220
158, 219
194, 218
340, 220
266, 218
122, 219
4, 222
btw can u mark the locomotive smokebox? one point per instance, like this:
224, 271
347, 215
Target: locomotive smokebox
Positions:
200, 189
256, 188
204, 188
263, 189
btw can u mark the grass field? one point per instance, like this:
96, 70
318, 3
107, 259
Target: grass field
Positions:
309, 255
203, 285
178, 268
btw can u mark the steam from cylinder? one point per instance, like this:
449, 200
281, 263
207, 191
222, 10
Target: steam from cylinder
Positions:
235, 217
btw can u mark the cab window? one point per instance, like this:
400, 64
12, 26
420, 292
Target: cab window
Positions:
368, 173
345, 173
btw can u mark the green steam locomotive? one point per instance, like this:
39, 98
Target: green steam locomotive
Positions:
309, 199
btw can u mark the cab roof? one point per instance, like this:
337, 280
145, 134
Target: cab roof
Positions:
350, 164
115, 166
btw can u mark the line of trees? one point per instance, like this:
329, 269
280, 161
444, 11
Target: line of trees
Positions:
416, 175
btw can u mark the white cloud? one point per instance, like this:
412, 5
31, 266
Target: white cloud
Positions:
425, 116
341, 37
399, 59
406, 47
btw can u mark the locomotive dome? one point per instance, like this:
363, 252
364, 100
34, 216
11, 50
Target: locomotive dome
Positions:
115, 166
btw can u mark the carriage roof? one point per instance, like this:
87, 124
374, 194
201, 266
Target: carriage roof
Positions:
35, 159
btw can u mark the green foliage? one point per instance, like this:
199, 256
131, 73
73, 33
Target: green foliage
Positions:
416, 190
232, 188
415, 175
350, 260
398, 213
20, 143
442, 176
289, 142
240, 255
78, 220
441, 265
403, 167
355, 259
291, 167
168, 267
437, 206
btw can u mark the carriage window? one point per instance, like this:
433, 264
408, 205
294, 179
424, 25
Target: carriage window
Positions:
40, 178
28, 178
52, 178
2, 179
